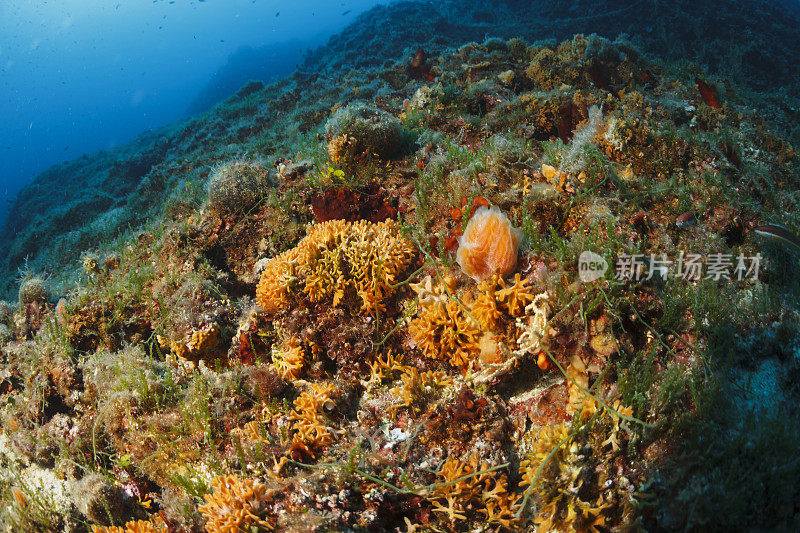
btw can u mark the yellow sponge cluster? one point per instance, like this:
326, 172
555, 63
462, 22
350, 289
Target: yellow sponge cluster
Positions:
338, 259
199, 344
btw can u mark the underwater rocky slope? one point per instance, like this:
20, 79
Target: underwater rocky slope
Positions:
384, 326
79, 204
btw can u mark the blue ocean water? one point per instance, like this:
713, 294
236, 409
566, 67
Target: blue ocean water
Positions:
630, 128
77, 76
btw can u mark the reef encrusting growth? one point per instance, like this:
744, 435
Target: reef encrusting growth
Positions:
300, 348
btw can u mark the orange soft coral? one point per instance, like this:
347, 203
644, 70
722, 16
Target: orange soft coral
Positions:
489, 245
238, 504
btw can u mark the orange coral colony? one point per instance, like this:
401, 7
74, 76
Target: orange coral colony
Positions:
489, 245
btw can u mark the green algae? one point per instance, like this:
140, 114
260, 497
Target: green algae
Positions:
106, 382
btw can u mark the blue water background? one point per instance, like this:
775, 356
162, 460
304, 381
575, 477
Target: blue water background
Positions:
77, 76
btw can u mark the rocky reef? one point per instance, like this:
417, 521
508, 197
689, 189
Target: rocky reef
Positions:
79, 204
499, 286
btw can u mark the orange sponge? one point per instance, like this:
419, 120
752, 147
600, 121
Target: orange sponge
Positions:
489, 245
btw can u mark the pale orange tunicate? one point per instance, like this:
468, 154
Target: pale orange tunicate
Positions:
489, 245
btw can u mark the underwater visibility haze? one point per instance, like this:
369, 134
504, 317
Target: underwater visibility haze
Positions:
79, 76
406, 266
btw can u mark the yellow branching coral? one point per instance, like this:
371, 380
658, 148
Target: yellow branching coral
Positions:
250, 432
472, 333
556, 478
417, 385
137, 526
516, 297
288, 360
337, 258
237, 504
583, 404
310, 431
545, 442
485, 308
381, 369
272, 291
466, 487
495, 299
445, 331
613, 436
316, 398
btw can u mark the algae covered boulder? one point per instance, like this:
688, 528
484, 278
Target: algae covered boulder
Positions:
33, 290
99, 499
374, 131
238, 186
5, 312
